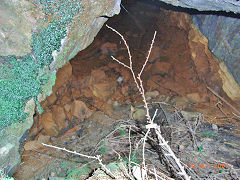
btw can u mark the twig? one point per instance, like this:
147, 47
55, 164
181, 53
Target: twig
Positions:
98, 157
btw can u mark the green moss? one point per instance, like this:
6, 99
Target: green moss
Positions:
4, 177
78, 173
23, 77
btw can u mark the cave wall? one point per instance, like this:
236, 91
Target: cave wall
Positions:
38, 37
207, 5
223, 34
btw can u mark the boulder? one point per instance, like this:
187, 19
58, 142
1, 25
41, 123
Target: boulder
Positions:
48, 124
59, 117
80, 110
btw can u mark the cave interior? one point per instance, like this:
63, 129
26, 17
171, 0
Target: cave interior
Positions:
95, 100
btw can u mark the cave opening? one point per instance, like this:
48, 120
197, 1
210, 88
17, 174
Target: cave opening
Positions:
94, 95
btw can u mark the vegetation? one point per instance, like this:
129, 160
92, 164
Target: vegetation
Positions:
24, 76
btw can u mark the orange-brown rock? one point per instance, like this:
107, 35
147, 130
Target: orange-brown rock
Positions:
195, 98
32, 145
67, 108
66, 98
63, 75
87, 92
75, 93
52, 98
48, 124
61, 90
59, 117
36, 144
80, 110
101, 86
160, 68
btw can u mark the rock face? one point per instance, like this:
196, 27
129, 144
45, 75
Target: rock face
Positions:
224, 39
36, 39
18, 18
208, 5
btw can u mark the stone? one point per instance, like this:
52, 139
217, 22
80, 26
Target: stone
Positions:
139, 113
4, 150
75, 93
43, 139
67, 108
195, 97
80, 110
189, 116
223, 39
181, 102
109, 48
101, 86
36, 144
66, 98
63, 75
60, 91
87, 92
15, 37
152, 94
32, 145
52, 98
59, 117
161, 68
230, 86
101, 118
49, 125
103, 90
215, 127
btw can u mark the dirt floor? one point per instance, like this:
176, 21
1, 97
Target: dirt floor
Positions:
95, 106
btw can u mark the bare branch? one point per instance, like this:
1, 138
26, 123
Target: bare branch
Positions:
149, 52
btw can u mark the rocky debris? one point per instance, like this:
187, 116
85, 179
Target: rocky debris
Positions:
52, 98
117, 169
101, 118
36, 144
47, 122
59, 117
80, 110
195, 98
75, 93
63, 76
101, 86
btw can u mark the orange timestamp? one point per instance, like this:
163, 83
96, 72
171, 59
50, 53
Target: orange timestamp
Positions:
207, 166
